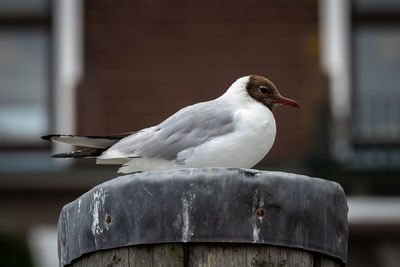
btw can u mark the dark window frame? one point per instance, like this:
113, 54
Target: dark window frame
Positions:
375, 18
44, 21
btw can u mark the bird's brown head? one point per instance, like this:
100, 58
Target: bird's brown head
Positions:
264, 91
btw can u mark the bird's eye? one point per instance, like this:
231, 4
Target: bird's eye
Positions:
262, 89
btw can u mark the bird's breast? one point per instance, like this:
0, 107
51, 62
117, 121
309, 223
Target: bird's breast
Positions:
252, 138
258, 127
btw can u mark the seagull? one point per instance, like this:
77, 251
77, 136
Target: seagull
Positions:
235, 130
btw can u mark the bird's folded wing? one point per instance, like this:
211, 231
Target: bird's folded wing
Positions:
188, 128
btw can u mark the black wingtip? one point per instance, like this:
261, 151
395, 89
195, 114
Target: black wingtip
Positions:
47, 137
61, 155
50, 136
85, 153
66, 154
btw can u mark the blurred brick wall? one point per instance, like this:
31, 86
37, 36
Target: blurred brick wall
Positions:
146, 59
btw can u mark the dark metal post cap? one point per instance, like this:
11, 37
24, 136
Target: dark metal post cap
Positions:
207, 205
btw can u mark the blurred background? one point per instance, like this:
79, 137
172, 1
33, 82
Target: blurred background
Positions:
98, 67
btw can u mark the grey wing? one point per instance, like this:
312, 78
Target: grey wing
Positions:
189, 127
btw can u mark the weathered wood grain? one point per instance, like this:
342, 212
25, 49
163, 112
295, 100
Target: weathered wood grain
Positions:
141, 256
167, 255
107, 258
206, 255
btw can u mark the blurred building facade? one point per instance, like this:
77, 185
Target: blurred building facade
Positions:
100, 67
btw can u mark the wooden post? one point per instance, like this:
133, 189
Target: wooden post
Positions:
206, 217
210, 255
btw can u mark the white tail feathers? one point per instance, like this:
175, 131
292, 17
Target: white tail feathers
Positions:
144, 164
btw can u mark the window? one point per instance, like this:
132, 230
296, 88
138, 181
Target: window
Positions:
40, 67
24, 71
360, 42
376, 80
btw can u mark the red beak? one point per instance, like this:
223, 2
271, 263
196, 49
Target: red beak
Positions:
288, 102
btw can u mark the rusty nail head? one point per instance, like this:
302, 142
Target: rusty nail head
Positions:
260, 212
63, 243
108, 219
